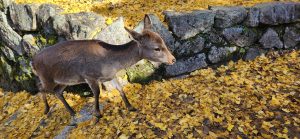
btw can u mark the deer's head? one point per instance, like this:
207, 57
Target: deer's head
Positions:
152, 45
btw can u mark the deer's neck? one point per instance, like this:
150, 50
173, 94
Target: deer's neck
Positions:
127, 57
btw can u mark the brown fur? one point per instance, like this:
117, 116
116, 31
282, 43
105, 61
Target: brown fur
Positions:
92, 61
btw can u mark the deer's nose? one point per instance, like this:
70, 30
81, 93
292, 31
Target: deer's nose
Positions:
174, 60
171, 59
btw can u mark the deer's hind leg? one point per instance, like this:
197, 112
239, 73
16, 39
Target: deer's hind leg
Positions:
45, 87
43, 96
48, 85
47, 107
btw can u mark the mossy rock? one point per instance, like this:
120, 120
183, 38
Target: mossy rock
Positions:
140, 72
4, 4
5, 69
16, 76
42, 41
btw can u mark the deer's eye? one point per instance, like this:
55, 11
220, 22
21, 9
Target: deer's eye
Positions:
157, 49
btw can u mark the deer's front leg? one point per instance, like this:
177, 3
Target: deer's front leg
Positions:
59, 93
118, 86
96, 91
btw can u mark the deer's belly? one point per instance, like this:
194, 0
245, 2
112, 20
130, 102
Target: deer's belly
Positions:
107, 75
69, 82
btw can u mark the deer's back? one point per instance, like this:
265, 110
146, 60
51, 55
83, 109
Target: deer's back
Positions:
68, 59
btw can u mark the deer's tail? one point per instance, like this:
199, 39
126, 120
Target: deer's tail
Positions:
38, 82
33, 68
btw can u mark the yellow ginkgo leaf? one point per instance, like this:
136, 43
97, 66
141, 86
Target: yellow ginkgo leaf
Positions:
123, 136
109, 21
274, 101
229, 127
160, 125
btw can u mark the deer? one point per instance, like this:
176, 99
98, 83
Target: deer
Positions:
92, 62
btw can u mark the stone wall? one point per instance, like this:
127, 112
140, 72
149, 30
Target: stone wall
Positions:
197, 38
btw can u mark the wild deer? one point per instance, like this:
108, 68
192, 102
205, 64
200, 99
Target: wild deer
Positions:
94, 61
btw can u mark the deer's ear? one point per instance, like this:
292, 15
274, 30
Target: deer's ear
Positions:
133, 33
147, 22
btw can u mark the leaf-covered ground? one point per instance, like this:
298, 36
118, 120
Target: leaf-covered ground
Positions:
134, 10
256, 99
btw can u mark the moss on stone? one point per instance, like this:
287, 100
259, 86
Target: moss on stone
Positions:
52, 40
5, 69
1, 6
249, 29
242, 50
16, 75
141, 72
43, 41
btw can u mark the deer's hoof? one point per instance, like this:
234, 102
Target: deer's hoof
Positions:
97, 118
132, 109
72, 113
73, 124
73, 121
96, 121
97, 115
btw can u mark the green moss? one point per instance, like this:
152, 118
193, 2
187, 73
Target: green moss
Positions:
141, 72
1, 6
242, 50
52, 40
23, 76
5, 69
246, 30
24, 65
16, 74
25, 82
43, 41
